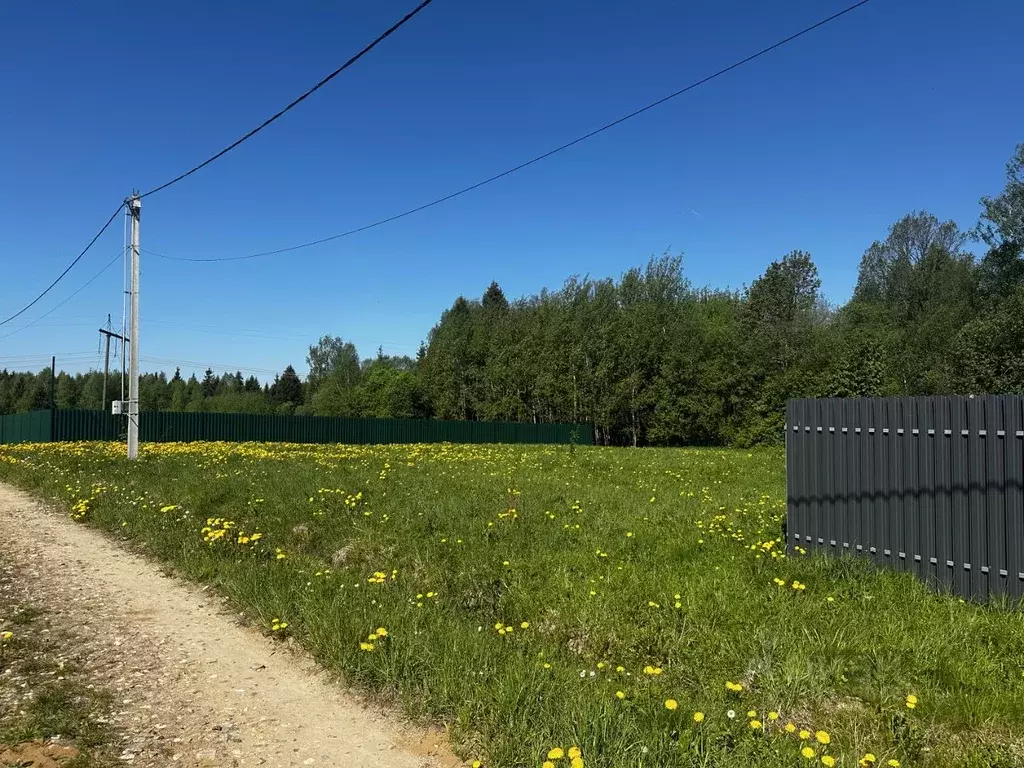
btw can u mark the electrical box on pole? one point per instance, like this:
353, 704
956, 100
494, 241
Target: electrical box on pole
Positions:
135, 211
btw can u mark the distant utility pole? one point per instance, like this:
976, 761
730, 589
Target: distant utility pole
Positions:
135, 210
106, 360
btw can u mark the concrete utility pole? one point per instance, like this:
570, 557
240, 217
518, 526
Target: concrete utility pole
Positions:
135, 210
106, 360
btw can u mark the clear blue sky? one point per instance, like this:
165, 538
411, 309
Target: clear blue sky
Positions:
901, 105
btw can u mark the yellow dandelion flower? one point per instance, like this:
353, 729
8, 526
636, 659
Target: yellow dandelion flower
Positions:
828, 761
804, 735
525, 625
671, 704
547, 763
698, 717
790, 728
576, 762
574, 752
756, 724
752, 713
381, 632
822, 737
808, 753
894, 763
773, 715
868, 760
911, 701
557, 753
620, 694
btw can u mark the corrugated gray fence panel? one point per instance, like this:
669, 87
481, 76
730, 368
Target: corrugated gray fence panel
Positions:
1014, 455
931, 485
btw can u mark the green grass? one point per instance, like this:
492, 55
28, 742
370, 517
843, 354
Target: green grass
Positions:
42, 696
615, 558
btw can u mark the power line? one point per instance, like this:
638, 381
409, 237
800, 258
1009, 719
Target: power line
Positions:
68, 269
89, 282
538, 158
380, 38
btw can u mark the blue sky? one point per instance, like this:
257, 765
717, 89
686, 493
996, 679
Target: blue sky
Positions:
820, 146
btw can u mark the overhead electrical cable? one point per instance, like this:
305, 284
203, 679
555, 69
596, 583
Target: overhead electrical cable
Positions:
78, 258
538, 158
89, 282
380, 38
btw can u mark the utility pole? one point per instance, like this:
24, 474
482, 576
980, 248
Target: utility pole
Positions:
106, 361
53, 382
135, 210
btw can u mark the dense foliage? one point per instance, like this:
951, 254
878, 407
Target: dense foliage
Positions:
650, 359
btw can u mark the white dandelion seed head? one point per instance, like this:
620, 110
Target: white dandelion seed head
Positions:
731, 714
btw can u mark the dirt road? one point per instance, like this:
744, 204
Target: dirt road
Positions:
192, 686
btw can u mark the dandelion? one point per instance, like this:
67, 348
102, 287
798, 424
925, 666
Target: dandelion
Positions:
620, 669
557, 753
790, 728
804, 735
752, 713
698, 717
731, 714
773, 715
894, 763
368, 647
547, 665
911, 701
867, 761
756, 724
478, 764
731, 686
808, 753
381, 632
525, 625
671, 704
828, 761
6, 636
576, 762
547, 763
620, 695
822, 737
574, 752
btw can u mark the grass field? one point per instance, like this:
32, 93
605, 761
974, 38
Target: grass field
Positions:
632, 604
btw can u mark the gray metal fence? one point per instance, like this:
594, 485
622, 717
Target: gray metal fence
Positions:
931, 485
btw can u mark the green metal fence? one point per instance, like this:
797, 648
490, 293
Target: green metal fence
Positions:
164, 426
34, 427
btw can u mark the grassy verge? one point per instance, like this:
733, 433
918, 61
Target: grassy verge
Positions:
632, 604
48, 710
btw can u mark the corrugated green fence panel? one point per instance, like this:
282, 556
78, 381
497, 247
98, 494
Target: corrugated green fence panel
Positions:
34, 427
69, 425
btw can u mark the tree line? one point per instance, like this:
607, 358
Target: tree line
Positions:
650, 359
